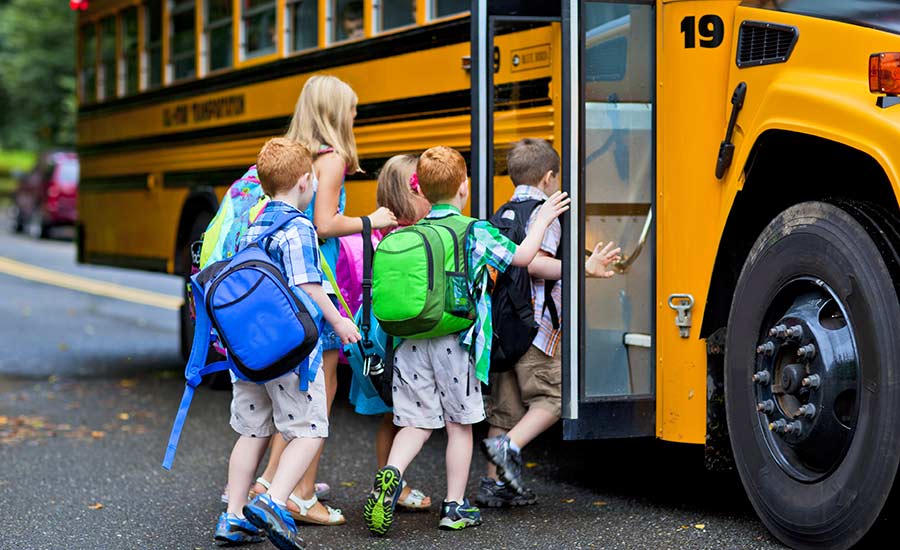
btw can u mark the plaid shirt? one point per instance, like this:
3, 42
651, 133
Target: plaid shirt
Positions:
295, 249
486, 247
547, 339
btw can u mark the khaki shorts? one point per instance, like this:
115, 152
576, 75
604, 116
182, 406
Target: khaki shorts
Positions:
434, 383
260, 410
536, 381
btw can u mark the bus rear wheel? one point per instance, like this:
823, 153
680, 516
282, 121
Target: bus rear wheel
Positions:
811, 388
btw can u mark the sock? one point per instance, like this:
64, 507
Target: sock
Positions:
514, 447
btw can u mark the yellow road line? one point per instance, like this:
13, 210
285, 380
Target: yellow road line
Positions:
89, 286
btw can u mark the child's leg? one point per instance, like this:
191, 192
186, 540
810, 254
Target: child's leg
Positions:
306, 488
540, 383
504, 408
407, 444
295, 460
384, 439
535, 422
276, 447
245, 457
459, 458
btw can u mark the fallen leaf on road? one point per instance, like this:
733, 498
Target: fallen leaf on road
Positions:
124, 416
3, 420
97, 434
95, 506
348, 483
567, 500
52, 378
128, 382
700, 526
599, 503
531, 464
63, 346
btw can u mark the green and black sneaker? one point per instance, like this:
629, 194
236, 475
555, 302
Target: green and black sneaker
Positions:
379, 511
456, 515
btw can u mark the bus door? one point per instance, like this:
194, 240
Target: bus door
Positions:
608, 168
601, 86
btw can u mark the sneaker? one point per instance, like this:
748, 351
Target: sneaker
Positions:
379, 510
232, 530
456, 515
276, 521
508, 461
491, 495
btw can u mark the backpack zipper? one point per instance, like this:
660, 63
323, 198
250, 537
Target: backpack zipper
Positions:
428, 262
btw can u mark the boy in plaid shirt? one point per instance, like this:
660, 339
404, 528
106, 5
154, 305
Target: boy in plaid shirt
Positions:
439, 372
259, 411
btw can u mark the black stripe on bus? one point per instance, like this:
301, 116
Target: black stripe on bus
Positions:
514, 95
413, 40
132, 182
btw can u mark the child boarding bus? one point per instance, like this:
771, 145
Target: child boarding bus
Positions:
743, 153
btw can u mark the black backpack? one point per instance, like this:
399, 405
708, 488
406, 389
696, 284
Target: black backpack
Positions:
512, 309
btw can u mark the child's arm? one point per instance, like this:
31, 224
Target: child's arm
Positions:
329, 223
545, 266
552, 208
344, 327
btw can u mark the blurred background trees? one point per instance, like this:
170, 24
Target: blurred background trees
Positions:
37, 74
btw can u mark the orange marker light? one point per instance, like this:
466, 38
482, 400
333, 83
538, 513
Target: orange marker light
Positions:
884, 73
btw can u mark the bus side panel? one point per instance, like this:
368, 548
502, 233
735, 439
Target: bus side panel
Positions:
694, 40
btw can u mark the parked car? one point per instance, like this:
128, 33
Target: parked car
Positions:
46, 196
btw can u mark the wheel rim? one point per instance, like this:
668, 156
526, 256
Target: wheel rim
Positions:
806, 380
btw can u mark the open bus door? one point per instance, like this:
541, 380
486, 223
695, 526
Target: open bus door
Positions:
607, 150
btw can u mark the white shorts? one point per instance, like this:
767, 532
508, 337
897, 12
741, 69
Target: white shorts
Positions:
260, 410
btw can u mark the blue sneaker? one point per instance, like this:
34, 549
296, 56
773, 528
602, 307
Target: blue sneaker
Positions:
276, 521
459, 515
232, 531
508, 461
379, 510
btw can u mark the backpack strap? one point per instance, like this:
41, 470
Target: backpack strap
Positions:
276, 225
194, 371
366, 280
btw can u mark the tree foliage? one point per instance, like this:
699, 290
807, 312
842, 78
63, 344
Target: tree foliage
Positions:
37, 74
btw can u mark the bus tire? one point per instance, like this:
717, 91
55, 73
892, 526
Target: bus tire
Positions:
818, 478
186, 324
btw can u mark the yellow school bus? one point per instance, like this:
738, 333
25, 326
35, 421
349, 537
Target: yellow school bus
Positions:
743, 153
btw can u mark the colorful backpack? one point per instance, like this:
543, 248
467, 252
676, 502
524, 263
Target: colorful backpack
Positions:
267, 329
420, 279
241, 204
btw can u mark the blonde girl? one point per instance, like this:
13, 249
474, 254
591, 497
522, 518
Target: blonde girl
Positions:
323, 122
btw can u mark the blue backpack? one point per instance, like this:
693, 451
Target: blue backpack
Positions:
267, 329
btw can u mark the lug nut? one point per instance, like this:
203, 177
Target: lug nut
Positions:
782, 427
767, 406
766, 349
812, 381
808, 410
807, 352
762, 377
778, 331
793, 428
778, 426
794, 333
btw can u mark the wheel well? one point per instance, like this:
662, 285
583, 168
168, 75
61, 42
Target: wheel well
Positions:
783, 169
201, 200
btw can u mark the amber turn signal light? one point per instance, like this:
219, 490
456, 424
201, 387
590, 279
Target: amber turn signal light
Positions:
884, 73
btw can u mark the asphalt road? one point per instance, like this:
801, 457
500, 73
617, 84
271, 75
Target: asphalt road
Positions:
89, 386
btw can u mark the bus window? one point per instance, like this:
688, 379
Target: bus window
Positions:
347, 21
88, 64
618, 149
108, 57
182, 45
128, 65
217, 35
153, 44
442, 8
258, 18
303, 24
390, 14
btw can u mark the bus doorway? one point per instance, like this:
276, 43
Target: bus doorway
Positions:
602, 96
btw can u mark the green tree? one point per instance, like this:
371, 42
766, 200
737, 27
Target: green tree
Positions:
37, 74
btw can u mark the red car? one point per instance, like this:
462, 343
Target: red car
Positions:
46, 197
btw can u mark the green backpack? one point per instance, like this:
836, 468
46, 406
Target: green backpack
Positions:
420, 279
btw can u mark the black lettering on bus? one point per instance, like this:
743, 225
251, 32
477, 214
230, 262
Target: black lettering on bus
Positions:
711, 29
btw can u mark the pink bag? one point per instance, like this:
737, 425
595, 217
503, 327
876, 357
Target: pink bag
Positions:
348, 274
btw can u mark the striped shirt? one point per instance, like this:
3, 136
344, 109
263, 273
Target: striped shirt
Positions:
486, 247
547, 338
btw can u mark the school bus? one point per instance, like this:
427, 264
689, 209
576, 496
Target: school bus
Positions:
743, 153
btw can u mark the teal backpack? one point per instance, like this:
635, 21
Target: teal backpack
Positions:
420, 279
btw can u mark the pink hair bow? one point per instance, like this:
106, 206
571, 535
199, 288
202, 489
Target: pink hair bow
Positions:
414, 183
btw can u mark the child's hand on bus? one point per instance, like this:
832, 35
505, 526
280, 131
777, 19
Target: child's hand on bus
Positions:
383, 219
347, 331
553, 207
597, 265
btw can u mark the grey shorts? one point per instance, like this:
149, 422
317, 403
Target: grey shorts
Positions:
435, 383
261, 410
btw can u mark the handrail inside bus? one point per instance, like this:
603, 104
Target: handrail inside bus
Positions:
627, 259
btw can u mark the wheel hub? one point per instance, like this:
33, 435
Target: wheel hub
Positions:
806, 380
